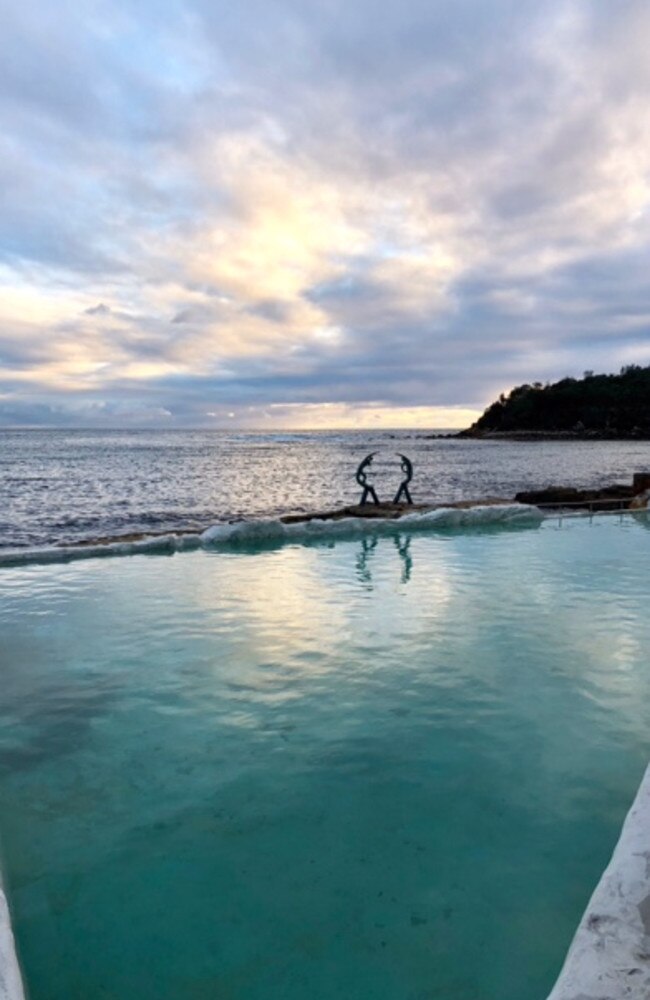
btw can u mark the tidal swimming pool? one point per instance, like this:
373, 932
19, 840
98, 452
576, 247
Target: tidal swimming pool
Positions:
384, 768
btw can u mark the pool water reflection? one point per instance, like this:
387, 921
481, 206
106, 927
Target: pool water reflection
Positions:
389, 768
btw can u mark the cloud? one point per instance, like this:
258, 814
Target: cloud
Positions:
306, 212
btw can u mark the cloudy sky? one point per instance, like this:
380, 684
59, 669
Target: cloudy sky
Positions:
313, 213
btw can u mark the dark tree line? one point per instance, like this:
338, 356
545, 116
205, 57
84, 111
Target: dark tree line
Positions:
607, 405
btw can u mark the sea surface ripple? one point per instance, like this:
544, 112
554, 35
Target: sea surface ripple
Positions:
62, 487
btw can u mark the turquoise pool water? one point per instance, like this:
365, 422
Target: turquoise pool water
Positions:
387, 769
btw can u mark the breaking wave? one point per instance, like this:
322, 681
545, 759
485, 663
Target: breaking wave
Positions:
271, 531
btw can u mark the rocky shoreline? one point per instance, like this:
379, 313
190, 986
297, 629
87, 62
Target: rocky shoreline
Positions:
617, 496
584, 435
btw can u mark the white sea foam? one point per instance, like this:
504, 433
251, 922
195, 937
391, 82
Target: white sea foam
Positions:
273, 531
156, 545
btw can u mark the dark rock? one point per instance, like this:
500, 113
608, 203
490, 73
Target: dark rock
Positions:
614, 497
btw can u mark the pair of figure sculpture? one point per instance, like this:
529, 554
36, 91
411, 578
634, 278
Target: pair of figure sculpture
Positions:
369, 489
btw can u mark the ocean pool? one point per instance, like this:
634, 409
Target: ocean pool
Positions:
387, 767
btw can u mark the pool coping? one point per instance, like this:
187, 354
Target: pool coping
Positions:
609, 957
11, 984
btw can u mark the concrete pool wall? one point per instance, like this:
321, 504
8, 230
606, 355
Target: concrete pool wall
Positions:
609, 958
11, 986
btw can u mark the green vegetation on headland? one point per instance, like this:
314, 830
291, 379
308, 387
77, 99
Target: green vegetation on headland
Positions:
596, 406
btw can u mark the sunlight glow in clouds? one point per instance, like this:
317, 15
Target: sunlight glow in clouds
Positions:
339, 416
310, 215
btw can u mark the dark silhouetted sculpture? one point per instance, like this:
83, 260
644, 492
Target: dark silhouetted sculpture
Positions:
362, 479
403, 491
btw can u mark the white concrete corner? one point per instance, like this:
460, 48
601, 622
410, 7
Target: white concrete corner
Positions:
11, 985
609, 958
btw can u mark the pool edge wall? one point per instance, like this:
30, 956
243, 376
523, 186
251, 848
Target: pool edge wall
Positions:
609, 957
11, 984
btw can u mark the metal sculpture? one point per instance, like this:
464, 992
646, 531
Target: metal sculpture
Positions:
407, 469
362, 479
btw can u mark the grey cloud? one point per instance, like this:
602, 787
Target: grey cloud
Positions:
503, 115
17, 352
184, 316
276, 311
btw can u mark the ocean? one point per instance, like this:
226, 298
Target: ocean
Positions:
65, 486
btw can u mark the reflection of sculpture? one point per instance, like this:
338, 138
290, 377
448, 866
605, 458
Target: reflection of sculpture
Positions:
403, 546
362, 479
368, 545
407, 469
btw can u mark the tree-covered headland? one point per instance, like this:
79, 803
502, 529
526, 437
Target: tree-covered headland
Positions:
595, 406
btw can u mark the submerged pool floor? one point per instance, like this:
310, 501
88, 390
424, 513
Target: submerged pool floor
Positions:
385, 770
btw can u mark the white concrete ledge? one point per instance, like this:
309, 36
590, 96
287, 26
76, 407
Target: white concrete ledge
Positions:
11, 986
609, 958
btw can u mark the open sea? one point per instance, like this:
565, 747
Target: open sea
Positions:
65, 486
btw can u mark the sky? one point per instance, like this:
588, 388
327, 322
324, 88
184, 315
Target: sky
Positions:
317, 213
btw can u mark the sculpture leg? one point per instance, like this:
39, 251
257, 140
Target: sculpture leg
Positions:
407, 494
375, 498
